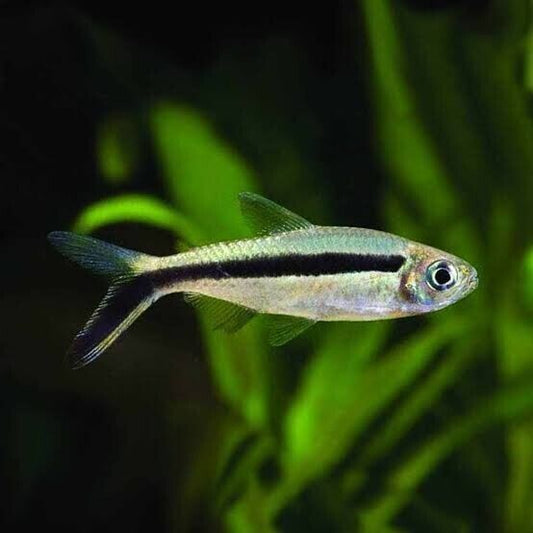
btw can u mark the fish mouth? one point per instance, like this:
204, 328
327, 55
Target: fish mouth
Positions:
472, 280
469, 284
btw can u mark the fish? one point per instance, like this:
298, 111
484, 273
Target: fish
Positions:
294, 272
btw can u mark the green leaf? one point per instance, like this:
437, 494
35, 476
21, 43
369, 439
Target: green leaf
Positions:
206, 438
337, 399
519, 490
204, 175
527, 279
136, 208
238, 364
418, 402
117, 148
507, 404
407, 151
528, 60
401, 220
250, 513
514, 336
322, 420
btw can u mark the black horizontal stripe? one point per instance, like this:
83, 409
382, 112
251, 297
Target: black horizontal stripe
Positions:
281, 265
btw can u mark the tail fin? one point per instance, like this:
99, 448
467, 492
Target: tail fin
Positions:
130, 293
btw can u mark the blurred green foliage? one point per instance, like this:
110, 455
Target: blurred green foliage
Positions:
376, 409
118, 148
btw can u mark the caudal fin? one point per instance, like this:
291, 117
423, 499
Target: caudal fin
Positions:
130, 293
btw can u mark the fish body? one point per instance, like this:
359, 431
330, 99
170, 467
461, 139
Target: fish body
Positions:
294, 270
321, 273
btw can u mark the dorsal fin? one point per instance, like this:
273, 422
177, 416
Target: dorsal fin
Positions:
266, 217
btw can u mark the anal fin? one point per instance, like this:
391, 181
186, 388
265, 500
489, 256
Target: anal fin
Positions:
284, 328
223, 315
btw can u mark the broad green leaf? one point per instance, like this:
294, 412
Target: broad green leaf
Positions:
505, 120
456, 235
206, 438
203, 173
401, 220
250, 512
528, 60
136, 208
511, 402
514, 335
405, 148
326, 397
117, 148
244, 469
204, 176
418, 402
238, 364
519, 494
337, 399
527, 279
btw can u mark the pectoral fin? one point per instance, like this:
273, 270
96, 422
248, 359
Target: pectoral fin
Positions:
223, 315
283, 328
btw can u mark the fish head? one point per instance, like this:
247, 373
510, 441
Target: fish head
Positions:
433, 279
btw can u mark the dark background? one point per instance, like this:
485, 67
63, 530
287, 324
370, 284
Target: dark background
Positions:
114, 445
89, 450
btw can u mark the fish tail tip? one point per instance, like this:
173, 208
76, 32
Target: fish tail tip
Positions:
77, 360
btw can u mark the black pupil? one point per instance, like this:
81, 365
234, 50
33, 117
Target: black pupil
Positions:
442, 276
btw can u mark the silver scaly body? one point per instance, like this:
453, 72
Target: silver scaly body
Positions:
346, 296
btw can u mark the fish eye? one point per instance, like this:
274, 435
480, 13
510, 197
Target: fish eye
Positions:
441, 275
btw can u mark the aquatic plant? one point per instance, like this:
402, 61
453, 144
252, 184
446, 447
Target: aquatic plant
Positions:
359, 437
